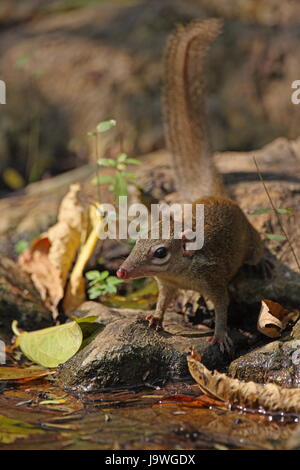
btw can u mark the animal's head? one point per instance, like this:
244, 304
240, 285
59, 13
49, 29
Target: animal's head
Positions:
155, 257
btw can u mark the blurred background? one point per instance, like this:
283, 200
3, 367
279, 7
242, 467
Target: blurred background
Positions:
69, 64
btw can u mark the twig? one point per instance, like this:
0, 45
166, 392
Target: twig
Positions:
276, 213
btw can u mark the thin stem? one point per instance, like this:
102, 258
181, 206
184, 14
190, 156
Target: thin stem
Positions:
121, 138
97, 169
276, 213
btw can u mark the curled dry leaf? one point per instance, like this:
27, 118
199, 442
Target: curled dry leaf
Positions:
45, 276
273, 318
250, 395
50, 258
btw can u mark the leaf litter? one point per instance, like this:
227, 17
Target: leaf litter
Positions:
269, 397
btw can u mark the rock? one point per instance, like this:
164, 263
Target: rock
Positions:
128, 353
19, 300
277, 362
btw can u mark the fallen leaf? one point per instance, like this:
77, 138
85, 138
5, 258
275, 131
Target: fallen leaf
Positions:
70, 231
52, 402
143, 298
13, 429
44, 275
52, 346
75, 292
273, 318
269, 397
21, 373
51, 257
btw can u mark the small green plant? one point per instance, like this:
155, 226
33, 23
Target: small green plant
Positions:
265, 211
278, 216
21, 246
118, 182
101, 283
273, 236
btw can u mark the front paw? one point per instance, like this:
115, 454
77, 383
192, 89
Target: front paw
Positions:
224, 342
154, 322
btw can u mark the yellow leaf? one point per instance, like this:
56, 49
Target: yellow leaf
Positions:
75, 293
22, 373
13, 178
52, 346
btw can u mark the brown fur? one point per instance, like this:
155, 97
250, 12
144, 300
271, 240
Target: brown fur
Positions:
184, 109
229, 239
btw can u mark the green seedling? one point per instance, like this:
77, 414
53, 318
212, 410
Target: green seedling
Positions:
101, 284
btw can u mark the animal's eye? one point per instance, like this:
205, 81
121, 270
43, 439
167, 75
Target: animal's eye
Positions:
160, 252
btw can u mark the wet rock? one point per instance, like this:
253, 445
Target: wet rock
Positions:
128, 353
277, 362
19, 300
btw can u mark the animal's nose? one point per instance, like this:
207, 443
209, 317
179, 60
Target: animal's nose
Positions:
122, 273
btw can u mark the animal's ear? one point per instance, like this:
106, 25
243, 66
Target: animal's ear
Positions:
186, 238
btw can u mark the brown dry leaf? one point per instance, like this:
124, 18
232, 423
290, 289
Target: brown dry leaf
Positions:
202, 401
70, 231
22, 374
270, 397
44, 275
273, 318
50, 258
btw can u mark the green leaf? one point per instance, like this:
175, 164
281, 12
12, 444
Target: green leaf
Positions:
129, 175
259, 211
284, 211
13, 429
111, 289
122, 157
21, 61
107, 162
94, 292
104, 275
21, 246
90, 319
103, 179
265, 211
113, 280
133, 161
93, 275
89, 326
105, 126
275, 237
52, 346
92, 133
